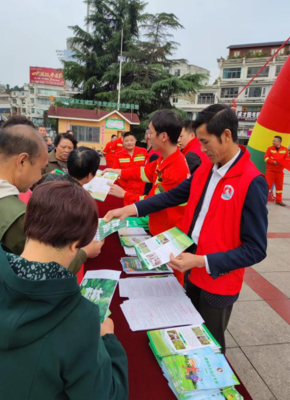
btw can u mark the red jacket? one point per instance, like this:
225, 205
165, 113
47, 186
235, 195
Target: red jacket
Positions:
194, 146
164, 175
272, 154
109, 154
123, 161
221, 228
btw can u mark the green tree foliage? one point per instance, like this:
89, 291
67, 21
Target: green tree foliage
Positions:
148, 54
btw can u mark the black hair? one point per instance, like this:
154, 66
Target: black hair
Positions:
167, 121
18, 120
126, 134
113, 136
69, 130
217, 118
188, 125
68, 136
278, 137
83, 161
41, 126
15, 140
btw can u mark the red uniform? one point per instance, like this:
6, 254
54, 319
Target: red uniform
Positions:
194, 146
123, 161
164, 175
150, 153
117, 146
221, 229
275, 173
109, 155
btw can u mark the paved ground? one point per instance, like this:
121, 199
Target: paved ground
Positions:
258, 337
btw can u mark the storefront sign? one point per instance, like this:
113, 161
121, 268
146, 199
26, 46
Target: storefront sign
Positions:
115, 124
98, 103
248, 115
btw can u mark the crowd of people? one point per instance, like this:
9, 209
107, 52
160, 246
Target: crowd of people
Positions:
192, 175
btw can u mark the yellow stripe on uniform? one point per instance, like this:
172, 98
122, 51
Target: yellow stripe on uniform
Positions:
143, 175
279, 191
267, 158
123, 160
262, 138
182, 205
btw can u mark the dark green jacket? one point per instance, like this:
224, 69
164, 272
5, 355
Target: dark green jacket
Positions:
12, 214
50, 344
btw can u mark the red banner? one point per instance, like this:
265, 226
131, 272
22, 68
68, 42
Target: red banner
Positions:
46, 76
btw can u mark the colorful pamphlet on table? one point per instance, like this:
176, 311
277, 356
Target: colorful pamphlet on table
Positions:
99, 186
156, 251
99, 287
132, 265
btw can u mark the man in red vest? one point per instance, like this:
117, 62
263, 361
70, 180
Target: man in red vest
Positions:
108, 153
274, 169
191, 147
226, 216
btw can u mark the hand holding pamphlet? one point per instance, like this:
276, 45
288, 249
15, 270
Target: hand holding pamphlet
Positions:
107, 228
99, 287
99, 186
156, 251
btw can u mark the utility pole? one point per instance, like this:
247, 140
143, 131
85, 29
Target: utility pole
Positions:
120, 73
88, 13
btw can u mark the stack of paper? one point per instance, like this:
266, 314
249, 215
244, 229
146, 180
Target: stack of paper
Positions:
132, 265
99, 287
156, 251
180, 340
199, 373
99, 186
156, 303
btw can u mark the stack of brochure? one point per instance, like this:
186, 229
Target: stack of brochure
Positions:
132, 265
156, 251
200, 374
129, 237
99, 287
156, 302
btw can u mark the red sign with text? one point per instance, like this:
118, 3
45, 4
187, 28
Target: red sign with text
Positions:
46, 76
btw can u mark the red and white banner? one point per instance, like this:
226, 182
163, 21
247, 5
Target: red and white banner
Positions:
46, 76
102, 134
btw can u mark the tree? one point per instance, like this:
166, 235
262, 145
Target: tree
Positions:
14, 89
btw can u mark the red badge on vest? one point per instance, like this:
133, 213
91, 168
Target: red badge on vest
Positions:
228, 192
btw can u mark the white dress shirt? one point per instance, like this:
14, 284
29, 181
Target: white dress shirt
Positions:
217, 175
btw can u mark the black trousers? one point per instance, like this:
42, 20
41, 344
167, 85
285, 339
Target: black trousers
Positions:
216, 319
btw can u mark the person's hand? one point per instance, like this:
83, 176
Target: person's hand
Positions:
115, 171
107, 327
186, 261
121, 213
117, 191
93, 249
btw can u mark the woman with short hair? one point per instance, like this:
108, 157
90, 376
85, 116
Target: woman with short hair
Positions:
52, 345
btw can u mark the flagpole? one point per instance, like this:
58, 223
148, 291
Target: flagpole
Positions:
120, 72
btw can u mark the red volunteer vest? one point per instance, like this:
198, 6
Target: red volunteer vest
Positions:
221, 228
194, 146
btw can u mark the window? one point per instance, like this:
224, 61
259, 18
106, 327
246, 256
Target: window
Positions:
23, 110
32, 100
32, 110
177, 72
47, 92
255, 92
175, 100
237, 53
278, 69
189, 115
273, 51
14, 101
206, 98
256, 51
253, 70
281, 52
86, 133
231, 73
31, 90
229, 92
43, 101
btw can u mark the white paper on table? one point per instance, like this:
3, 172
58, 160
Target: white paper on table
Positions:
132, 232
103, 274
138, 288
130, 251
146, 314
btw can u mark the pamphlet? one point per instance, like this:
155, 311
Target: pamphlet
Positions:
99, 186
132, 265
99, 287
131, 241
141, 288
107, 228
160, 312
132, 232
130, 251
182, 339
191, 372
156, 251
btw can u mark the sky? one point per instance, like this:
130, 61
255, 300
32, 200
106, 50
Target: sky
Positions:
32, 30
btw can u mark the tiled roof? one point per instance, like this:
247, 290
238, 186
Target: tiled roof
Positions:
93, 115
266, 44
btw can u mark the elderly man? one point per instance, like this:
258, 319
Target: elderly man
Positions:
23, 154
